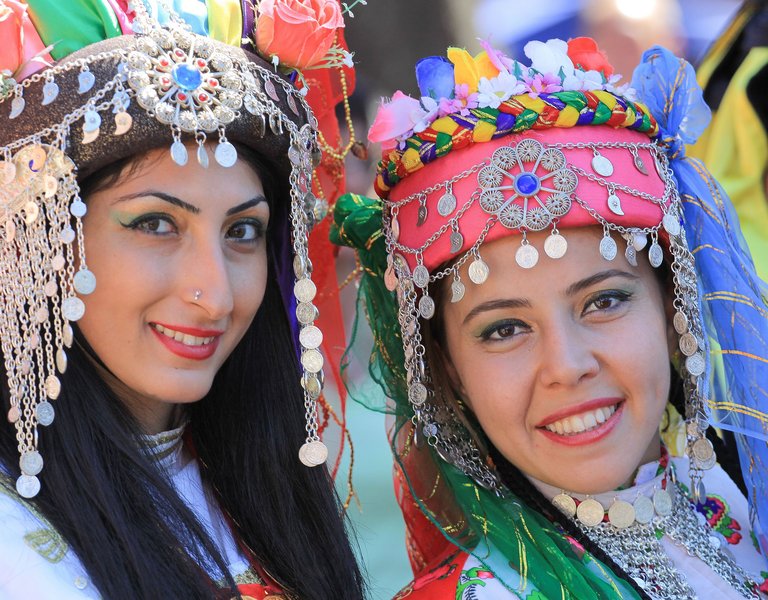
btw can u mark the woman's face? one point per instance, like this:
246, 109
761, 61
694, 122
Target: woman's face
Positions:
565, 365
180, 259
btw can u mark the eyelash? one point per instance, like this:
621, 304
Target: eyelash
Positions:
142, 224
620, 296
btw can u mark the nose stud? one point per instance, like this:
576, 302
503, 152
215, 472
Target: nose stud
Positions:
197, 295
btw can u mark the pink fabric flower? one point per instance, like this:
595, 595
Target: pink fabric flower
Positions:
395, 119
21, 42
298, 32
542, 84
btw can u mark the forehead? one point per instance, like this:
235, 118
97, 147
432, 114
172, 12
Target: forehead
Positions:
550, 277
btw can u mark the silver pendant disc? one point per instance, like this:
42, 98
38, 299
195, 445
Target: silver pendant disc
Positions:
421, 276
655, 255
390, 279
565, 504
680, 322
52, 387
31, 463
478, 271
644, 511
688, 344
590, 512
608, 248
457, 291
226, 154
305, 312
695, 364
621, 514
313, 454
426, 307
312, 361
61, 360
85, 80
640, 165
671, 224
703, 450
527, 256
457, 241
28, 486
179, 153
311, 337
447, 204
305, 290
417, 393
72, 309
84, 282
50, 91
601, 165
662, 503
555, 246
422, 216
17, 106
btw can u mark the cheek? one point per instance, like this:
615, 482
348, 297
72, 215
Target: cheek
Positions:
249, 285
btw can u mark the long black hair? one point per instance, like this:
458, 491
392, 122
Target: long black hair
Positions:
129, 528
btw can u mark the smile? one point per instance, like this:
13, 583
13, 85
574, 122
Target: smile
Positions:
184, 338
585, 421
187, 342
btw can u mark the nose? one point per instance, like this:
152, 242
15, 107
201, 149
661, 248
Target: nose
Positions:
208, 283
567, 355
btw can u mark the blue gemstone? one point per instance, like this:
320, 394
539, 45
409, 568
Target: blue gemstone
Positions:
187, 77
527, 184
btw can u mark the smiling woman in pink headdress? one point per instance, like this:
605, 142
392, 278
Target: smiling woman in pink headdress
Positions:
562, 308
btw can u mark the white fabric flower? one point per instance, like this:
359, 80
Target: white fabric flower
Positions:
492, 92
582, 81
425, 115
549, 57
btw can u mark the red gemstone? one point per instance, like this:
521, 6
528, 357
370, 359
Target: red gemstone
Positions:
181, 96
179, 53
164, 62
201, 63
213, 83
203, 97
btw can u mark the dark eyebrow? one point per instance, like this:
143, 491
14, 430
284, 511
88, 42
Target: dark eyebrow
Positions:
163, 196
573, 289
587, 282
246, 205
497, 305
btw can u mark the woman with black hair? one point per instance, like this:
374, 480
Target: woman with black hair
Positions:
160, 358
561, 305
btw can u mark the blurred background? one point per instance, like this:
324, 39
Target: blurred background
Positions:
388, 38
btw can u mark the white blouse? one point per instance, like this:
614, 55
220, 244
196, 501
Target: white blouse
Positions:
35, 561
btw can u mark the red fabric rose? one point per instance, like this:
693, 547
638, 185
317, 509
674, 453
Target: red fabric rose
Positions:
298, 32
585, 55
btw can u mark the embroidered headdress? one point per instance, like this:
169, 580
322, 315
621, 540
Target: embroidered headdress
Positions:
495, 148
117, 79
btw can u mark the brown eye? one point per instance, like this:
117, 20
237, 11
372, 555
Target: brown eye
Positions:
246, 231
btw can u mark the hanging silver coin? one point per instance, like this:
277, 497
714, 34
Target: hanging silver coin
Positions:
31, 212
312, 361
478, 271
590, 512
631, 255
67, 335
426, 307
390, 278
225, 154
52, 387
672, 224
614, 204
662, 503
123, 123
72, 309
422, 216
644, 511
85, 81
50, 92
41, 315
84, 282
527, 256
50, 185
17, 106
565, 504
447, 204
688, 344
417, 393
702, 450
555, 246
58, 262
457, 291
695, 364
27, 486
202, 156
61, 360
420, 276
457, 241
621, 514
655, 255
31, 463
395, 226
312, 385
313, 454
680, 322
7, 172
311, 337
706, 465
608, 248
305, 290
294, 155
179, 153
14, 414
601, 165
699, 492
305, 312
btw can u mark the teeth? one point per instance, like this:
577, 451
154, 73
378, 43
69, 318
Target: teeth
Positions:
184, 338
582, 422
